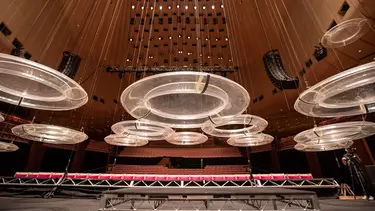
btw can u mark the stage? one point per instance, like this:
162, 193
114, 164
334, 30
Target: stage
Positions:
229, 198
69, 204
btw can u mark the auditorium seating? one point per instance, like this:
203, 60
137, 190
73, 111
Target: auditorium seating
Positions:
159, 169
140, 177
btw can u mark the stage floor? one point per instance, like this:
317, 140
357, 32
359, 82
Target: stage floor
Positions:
64, 204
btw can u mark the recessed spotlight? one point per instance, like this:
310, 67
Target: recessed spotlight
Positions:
160, 38
213, 7
152, 8
142, 7
204, 7
188, 37
186, 7
226, 39
179, 35
128, 60
222, 6
161, 7
195, 7
131, 39
170, 38
169, 7
178, 6
359, 51
133, 7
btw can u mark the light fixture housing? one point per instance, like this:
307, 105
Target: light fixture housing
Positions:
187, 138
349, 93
320, 147
250, 123
250, 140
184, 99
49, 134
125, 140
142, 130
345, 33
7, 147
33, 85
344, 131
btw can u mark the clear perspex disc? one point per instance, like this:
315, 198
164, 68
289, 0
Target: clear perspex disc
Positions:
184, 99
187, 138
345, 33
248, 124
315, 146
49, 134
125, 140
345, 131
2, 118
143, 130
33, 85
7, 147
250, 140
349, 93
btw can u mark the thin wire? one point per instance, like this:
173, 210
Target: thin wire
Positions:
99, 29
229, 35
269, 46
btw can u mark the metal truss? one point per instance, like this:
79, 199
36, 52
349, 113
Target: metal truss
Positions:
114, 184
208, 202
161, 69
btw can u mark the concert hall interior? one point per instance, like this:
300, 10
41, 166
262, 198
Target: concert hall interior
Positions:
253, 97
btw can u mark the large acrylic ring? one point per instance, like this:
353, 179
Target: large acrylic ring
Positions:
250, 140
2, 118
348, 93
125, 140
184, 99
248, 124
143, 130
337, 132
187, 138
314, 146
49, 134
7, 147
345, 33
30, 84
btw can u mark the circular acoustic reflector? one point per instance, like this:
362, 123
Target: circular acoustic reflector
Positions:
250, 140
2, 118
125, 140
49, 134
184, 99
248, 123
7, 147
348, 93
143, 130
29, 84
345, 131
187, 138
315, 146
345, 33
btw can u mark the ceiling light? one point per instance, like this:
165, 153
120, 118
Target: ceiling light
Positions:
204, 7
127, 60
169, 7
186, 7
179, 35
160, 38
161, 7
222, 6
178, 6
152, 8
188, 37
226, 39
345, 33
213, 7
195, 7
170, 38
359, 51
133, 7
131, 39
142, 7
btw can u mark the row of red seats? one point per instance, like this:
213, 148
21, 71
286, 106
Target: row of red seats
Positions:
158, 169
129, 177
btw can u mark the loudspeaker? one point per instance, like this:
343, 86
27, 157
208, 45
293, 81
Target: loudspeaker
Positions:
69, 64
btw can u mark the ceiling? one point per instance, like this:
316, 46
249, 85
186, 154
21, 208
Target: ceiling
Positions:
183, 33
